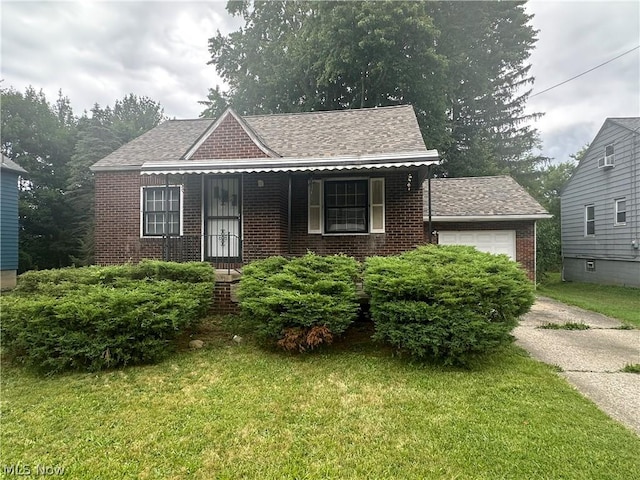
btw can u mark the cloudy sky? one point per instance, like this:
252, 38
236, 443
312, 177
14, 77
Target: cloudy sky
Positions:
101, 51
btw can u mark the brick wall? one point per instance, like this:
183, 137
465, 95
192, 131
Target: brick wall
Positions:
525, 238
117, 204
403, 216
223, 303
228, 140
264, 213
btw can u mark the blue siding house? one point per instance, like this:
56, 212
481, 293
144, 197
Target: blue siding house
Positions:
9, 173
600, 209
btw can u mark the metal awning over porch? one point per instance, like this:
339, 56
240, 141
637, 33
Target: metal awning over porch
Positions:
266, 165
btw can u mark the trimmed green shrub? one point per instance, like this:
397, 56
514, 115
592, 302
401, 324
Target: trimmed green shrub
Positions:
446, 302
100, 317
288, 301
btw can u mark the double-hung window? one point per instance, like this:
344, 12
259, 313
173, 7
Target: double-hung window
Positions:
346, 205
351, 206
161, 211
589, 220
621, 211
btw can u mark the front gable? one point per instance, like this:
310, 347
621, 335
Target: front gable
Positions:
229, 138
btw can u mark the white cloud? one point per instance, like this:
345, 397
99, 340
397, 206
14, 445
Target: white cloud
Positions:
574, 37
101, 51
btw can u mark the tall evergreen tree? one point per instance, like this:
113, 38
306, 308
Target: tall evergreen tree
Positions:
487, 45
99, 134
57, 149
462, 65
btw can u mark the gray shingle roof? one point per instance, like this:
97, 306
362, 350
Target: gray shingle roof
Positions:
480, 196
340, 133
343, 133
10, 165
168, 141
632, 123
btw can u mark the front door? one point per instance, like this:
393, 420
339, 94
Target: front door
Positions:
222, 219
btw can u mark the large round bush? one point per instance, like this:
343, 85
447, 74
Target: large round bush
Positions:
300, 303
447, 302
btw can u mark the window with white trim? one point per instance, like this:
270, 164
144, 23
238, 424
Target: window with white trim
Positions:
589, 220
609, 157
158, 216
621, 211
346, 206
609, 150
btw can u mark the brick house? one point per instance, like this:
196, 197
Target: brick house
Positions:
241, 188
244, 188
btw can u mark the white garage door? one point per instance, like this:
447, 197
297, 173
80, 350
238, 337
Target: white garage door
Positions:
491, 241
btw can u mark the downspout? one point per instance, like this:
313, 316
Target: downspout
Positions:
535, 254
429, 225
289, 217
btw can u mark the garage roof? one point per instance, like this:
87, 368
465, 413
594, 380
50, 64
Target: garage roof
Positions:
481, 199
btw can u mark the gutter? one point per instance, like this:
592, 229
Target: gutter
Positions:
487, 218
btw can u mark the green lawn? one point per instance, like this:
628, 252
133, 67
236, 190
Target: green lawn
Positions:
230, 411
622, 303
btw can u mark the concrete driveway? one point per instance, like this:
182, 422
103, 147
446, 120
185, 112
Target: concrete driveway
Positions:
590, 359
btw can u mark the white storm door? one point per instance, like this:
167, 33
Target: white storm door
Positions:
222, 218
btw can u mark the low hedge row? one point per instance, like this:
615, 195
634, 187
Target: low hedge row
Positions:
445, 302
99, 317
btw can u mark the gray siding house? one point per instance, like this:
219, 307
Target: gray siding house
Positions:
9, 172
600, 209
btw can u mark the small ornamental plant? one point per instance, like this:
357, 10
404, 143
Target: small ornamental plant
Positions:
446, 302
302, 303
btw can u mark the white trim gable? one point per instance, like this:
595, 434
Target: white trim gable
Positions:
250, 133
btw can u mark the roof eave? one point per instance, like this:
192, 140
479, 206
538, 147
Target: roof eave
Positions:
487, 218
114, 168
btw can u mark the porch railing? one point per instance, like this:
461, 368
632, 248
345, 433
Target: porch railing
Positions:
222, 250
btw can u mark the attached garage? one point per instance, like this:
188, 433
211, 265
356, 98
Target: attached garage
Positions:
490, 241
493, 214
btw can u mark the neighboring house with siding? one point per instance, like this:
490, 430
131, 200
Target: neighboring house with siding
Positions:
600, 209
9, 173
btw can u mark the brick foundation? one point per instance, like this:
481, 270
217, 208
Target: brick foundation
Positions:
224, 301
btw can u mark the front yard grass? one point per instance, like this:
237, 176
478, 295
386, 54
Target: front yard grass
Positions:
235, 411
622, 303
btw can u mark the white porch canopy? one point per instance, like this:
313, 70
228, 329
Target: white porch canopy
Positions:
266, 165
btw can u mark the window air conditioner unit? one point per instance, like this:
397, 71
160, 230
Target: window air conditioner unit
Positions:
607, 161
